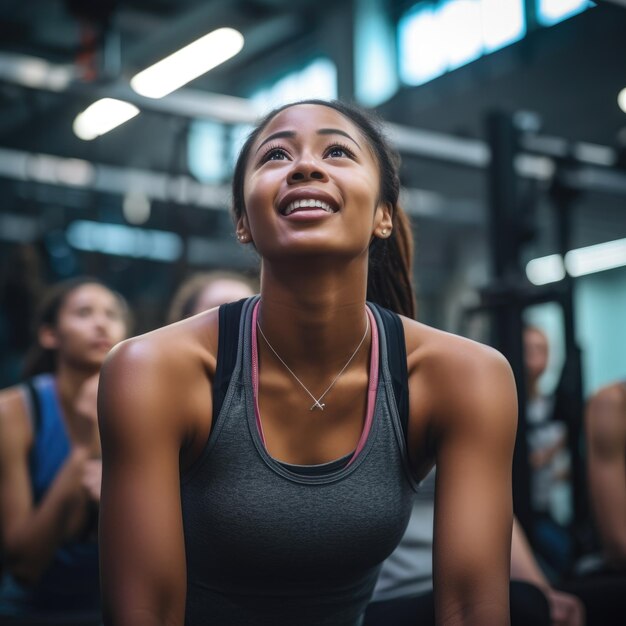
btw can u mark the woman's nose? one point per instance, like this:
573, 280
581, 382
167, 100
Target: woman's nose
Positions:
102, 321
306, 169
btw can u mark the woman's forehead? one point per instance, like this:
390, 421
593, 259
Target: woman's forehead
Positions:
303, 117
88, 293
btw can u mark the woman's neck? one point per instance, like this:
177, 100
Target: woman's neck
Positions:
313, 318
69, 381
532, 388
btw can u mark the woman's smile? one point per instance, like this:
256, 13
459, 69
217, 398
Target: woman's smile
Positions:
307, 203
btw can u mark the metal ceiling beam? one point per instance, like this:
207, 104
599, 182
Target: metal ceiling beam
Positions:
537, 161
184, 190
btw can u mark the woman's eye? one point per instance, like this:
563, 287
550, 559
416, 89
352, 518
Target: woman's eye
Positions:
338, 152
275, 154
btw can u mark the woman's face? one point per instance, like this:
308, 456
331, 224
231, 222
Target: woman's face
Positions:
312, 186
535, 353
90, 322
220, 292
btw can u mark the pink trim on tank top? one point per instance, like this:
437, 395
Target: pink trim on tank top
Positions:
372, 386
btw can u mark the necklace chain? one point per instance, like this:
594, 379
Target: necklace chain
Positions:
317, 402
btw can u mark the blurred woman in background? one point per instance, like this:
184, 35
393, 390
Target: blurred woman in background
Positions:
205, 290
50, 459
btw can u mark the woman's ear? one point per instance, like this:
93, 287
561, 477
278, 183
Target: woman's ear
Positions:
243, 230
383, 222
47, 337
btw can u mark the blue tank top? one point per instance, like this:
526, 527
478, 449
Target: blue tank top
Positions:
71, 582
270, 544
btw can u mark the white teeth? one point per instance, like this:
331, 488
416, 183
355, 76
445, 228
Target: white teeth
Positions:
297, 204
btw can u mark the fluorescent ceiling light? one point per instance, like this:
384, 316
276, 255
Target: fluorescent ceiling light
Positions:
579, 262
603, 256
434, 39
102, 116
422, 51
547, 269
503, 22
35, 73
461, 23
188, 63
551, 12
621, 99
136, 207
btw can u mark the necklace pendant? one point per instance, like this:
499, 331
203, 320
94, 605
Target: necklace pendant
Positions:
317, 402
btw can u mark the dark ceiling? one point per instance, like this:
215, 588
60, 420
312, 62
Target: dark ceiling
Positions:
569, 74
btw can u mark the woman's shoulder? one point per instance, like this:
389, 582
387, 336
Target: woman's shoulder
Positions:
447, 353
167, 363
460, 376
188, 344
10, 397
158, 382
613, 394
14, 415
606, 412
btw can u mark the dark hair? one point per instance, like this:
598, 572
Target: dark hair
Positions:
389, 281
40, 360
186, 297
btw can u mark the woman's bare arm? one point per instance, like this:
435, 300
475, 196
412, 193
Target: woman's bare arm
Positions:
142, 412
30, 534
606, 466
565, 608
475, 409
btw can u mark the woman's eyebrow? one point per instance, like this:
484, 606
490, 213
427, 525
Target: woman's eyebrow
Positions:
280, 134
337, 131
290, 134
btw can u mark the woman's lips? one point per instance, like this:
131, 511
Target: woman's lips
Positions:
308, 214
102, 345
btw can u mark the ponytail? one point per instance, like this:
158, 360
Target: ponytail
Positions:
390, 275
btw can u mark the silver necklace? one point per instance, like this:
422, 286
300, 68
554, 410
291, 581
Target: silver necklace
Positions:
317, 402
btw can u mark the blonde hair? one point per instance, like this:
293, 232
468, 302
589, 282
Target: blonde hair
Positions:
186, 297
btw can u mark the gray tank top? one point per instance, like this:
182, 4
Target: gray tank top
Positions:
268, 545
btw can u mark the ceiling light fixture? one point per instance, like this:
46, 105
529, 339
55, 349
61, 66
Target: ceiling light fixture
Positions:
602, 256
579, 262
188, 63
102, 116
621, 99
546, 269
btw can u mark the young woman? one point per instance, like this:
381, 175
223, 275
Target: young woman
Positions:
50, 466
206, 290
259, 460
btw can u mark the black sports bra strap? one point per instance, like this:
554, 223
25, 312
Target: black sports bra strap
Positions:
35, 412
230, 315
396, 351
35, 405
